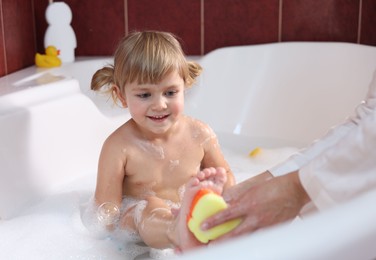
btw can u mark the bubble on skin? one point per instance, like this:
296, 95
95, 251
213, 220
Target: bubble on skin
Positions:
91, 221
208, 130
210, 135
156, 211
210, 138
181, 192
130, 240
172, 204
137, 214
155, 150
147, 190
127, 240
108, 213
174, 164
196, 133
153, 212
139, 206
157, 221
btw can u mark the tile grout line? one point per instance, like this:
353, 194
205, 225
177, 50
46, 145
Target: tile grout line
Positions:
280, 21
126, 17
3, 34
202, 42
34, 27
360, 21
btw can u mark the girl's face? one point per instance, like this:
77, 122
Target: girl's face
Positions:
156, 107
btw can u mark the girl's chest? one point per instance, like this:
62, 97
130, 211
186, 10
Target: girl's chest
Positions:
156, 169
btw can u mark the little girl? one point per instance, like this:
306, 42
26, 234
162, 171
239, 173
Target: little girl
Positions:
145, 164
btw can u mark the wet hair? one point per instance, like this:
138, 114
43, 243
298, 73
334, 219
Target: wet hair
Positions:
145, 57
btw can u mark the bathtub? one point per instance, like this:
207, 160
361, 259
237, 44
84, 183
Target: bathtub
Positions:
279, 97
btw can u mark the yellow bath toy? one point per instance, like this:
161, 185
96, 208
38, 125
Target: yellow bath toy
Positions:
255, 152
49, 60
205, 204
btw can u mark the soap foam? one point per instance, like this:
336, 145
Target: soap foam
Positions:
55, 228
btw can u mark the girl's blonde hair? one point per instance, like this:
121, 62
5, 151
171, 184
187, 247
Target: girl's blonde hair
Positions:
145, 57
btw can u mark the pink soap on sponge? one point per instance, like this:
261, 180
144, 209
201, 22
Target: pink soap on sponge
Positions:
205, 204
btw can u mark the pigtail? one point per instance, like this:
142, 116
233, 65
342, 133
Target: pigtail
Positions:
194, 70
102, 78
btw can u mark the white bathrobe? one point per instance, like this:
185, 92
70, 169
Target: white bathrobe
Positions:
342, 164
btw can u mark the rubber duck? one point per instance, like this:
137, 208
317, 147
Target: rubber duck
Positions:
50, 59
205, 204
255, 152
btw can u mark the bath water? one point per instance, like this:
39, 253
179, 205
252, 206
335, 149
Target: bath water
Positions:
53, 229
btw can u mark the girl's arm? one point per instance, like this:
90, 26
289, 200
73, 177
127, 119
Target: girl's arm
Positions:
213, 156
111, 174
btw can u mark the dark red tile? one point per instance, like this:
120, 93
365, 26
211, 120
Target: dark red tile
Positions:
98, 24
40, 7
2, 49
320, 20
368, 31
240, 22
19, 34
179, 17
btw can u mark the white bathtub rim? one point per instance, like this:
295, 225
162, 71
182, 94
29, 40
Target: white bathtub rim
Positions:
29, 96
305, 44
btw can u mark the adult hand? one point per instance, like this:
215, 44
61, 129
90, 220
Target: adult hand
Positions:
260, 202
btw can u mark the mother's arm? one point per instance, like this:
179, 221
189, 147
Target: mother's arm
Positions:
261, 201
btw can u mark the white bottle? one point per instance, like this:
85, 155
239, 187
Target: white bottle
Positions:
59, 31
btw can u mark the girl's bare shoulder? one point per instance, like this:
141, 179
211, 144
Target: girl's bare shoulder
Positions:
121, 136
199, 127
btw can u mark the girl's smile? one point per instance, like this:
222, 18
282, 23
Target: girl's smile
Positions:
158, 118
156, 107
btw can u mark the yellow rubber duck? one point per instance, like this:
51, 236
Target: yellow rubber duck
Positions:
50, 59
255, 152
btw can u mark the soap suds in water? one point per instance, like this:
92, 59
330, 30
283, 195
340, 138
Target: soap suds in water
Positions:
53, 229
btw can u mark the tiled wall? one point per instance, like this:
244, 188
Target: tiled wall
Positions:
203, 25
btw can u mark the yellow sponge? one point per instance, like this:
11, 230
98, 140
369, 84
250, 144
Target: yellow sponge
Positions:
205, 204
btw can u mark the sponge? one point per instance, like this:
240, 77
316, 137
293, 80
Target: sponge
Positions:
205, 204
